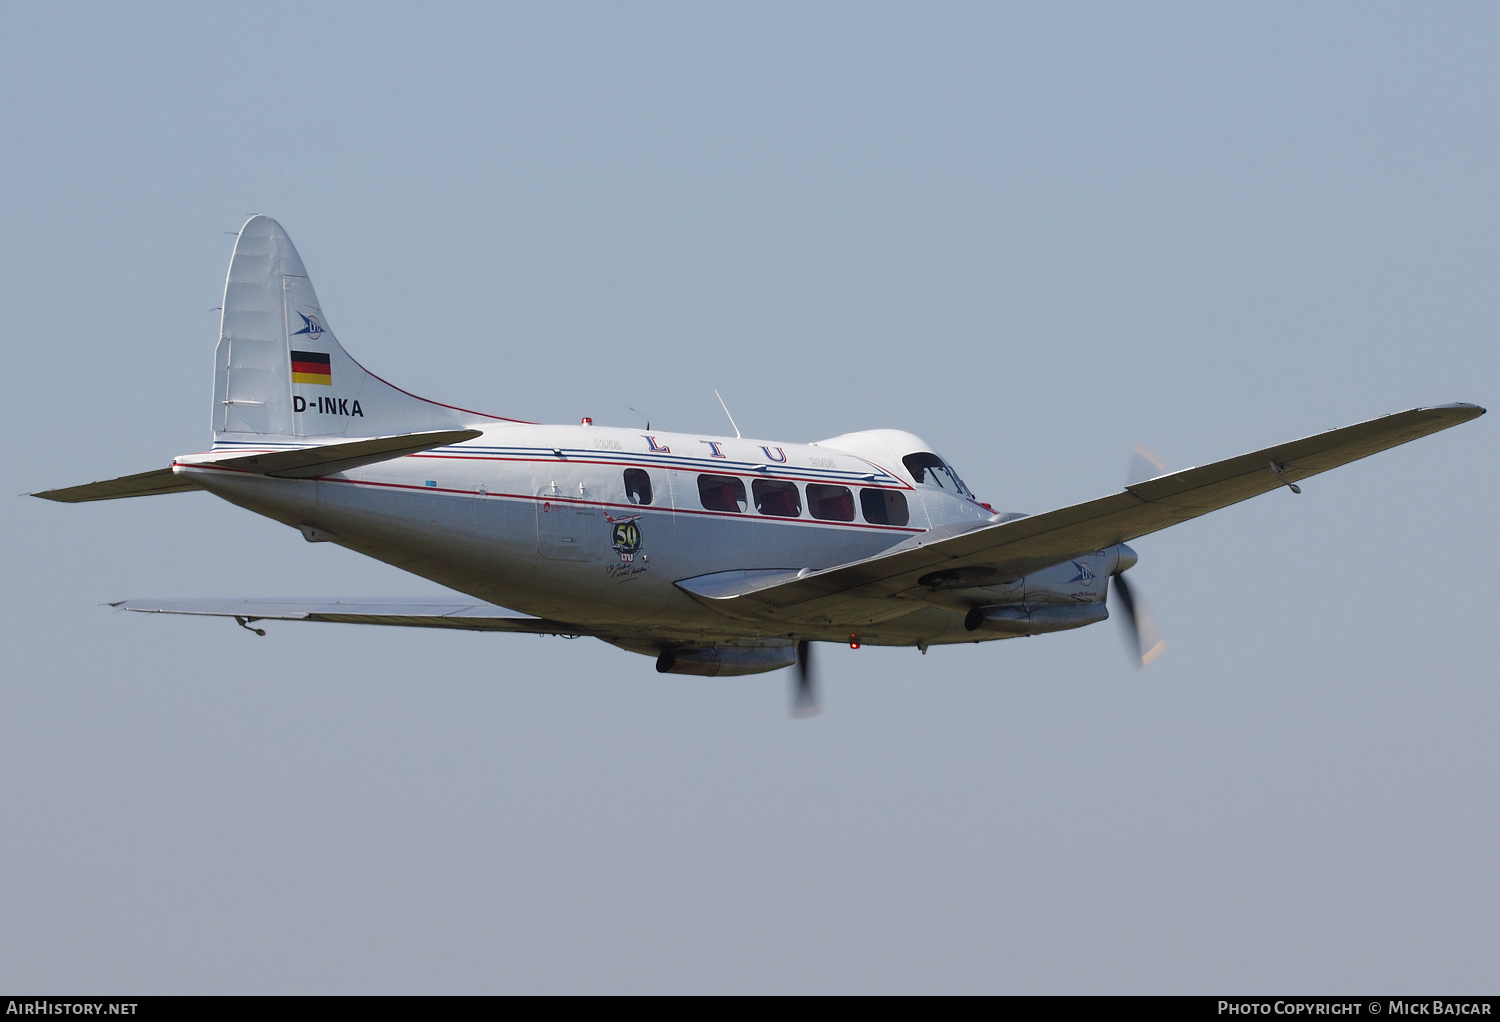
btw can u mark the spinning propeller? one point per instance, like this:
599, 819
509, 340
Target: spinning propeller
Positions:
804, 688
1141, 634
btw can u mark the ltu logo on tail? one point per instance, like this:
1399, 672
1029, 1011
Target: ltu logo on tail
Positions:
310, 326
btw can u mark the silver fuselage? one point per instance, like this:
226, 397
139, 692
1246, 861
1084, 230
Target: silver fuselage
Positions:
538, 518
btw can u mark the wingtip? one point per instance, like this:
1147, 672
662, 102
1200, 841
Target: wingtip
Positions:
1464, 408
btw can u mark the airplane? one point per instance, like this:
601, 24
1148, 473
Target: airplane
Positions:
716, 555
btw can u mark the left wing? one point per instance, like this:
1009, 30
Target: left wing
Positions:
470, 615
892, 582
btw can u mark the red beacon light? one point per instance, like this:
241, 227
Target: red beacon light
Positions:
587, 421
853, 641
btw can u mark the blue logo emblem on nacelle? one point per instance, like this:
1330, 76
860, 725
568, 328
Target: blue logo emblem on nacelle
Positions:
1085, 573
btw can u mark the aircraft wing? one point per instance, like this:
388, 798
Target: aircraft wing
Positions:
1014, 548
420, 612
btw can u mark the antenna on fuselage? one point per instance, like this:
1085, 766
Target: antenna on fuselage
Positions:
646, 417
726, 412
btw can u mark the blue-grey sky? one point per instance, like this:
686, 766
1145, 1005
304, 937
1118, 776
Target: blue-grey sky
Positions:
1033, 234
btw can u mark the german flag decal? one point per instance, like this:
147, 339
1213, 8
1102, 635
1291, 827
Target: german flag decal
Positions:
311, 367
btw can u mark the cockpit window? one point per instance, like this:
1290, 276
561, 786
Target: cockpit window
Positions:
930, 470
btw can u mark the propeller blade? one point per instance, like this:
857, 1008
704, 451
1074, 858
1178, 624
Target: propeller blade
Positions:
804, 688
1126, 600
1144, 464
1145, 639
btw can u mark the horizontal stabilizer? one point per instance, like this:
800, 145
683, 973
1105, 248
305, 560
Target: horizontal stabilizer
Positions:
327, 459
416, 612
142, 484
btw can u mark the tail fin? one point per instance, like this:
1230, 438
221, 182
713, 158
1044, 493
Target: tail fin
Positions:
279, 374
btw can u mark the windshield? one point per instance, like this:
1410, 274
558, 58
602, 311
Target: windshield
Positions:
930, 470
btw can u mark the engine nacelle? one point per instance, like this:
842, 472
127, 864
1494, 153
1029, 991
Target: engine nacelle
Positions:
1035, 619
1081, 579
721, 660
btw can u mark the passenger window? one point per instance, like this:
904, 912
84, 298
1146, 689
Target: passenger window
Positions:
721, 493
930, 470
777, 497
884, 507
637, 486
830, 503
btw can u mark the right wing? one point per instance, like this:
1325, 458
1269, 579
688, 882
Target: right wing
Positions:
436, 612
874, 588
